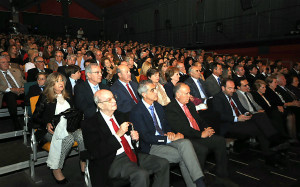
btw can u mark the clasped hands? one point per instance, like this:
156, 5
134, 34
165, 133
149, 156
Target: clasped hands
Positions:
17, 91
124, 128
173, 137
208, 132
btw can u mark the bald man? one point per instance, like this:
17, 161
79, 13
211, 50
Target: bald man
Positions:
125, 90
111, 149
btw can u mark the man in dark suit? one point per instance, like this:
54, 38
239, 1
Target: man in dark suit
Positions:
125, 90
64, 49
73, 78
295, 71
71, 60
252, 75
57, 61
239, 73
84, 92
39, 67
36, 89
213, 82
110, 148
238, 122
118, 58
11, 89
183, 117
182, 72
157, 138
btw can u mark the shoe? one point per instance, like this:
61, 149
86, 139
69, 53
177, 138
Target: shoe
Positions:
64, 181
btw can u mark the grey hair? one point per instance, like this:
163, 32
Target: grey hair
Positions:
69, 57
143, 88
58, 52
88, 69
190, 70
177, 87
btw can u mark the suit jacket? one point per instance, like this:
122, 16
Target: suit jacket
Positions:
68, 87
64, 53
223, 107
251, 79
211, 86
295, 90
32, 73
34, 90
143, 123
194, 89
16, 73
169, 89
273, 98
286, 96
261, 102
44, 113
183, 77
244, 102
62, 70
101, 145
179, 121
53, 65
84, 98
124, 100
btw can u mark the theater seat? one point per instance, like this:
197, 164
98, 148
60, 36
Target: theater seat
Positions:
46, 146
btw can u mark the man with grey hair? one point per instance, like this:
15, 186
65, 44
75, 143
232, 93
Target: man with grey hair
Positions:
108, 140
125, 90
130, 62
84, 92
182, 72
11, 88
71, 60
57, 61
157, 138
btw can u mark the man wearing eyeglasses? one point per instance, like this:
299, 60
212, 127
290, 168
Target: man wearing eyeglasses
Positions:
84, 92
39, 67
57, 61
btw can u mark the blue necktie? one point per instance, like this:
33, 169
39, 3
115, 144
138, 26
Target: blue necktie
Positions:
219, 81
96, 88
158, 129
201, 89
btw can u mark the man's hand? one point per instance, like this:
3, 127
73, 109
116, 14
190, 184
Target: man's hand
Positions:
15, 90
208, 132
134, 135
261, 111
49, 127
280, 108
123, 129
244, 118
171, 136
178, 136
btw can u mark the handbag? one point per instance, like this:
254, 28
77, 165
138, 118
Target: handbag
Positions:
73, 117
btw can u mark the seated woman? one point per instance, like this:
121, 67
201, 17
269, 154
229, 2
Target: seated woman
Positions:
293, 85
109, 70
172, 76
32, 53
153, 75
53, 101
146, 65
162, 68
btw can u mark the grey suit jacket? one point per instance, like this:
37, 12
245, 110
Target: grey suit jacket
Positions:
3, 84
53, 65
244, 102
211, 86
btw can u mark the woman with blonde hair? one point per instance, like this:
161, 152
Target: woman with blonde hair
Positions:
31, 54
53, 101
146, 65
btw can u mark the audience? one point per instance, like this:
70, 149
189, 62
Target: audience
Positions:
39, 67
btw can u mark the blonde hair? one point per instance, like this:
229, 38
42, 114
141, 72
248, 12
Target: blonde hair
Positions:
146, 65
49, 84
31, 52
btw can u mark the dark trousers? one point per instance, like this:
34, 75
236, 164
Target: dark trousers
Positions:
138, 176
215, 144
212, 118
11, 100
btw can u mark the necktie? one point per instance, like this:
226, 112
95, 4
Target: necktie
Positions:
236, 110
125, 144
42, 88
10, 80
246, 94
158, 129
191, 118
219, 81
96, 88
131, 93
202, 93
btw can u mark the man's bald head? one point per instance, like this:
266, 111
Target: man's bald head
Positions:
105, 101
124, 74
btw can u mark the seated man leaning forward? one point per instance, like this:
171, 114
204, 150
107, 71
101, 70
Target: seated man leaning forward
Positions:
111, 149
158, 139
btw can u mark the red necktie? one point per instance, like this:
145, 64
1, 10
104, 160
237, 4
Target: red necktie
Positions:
125, 144
191, 118
236, 110
131, 93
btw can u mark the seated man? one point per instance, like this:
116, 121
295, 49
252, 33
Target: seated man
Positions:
238, 122
71, 60
125, 90
36, 89
83, 92
213, 82
110, 149
39, 67
73, 78
11, 89
182, 117
57, 61
158, 139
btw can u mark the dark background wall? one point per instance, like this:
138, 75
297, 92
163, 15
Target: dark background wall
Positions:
188, 23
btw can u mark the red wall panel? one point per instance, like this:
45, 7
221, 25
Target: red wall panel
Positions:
76, 11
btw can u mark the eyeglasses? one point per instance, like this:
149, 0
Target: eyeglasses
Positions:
39, 61
59, 56
97, 72
110, 99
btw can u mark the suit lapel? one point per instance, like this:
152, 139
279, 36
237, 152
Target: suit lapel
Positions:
102, 126
89, 90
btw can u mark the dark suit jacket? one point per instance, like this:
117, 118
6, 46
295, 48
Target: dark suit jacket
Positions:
194, 89
251, 79
143, 123
286, 96
180, 123
169, 89
295, 90
68, 87
211, 86
124, 100
44, 113
34, 90
273, 98
32, 73
223, 107
261, 102
84, 98
183, 77
101, 146
62, 70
